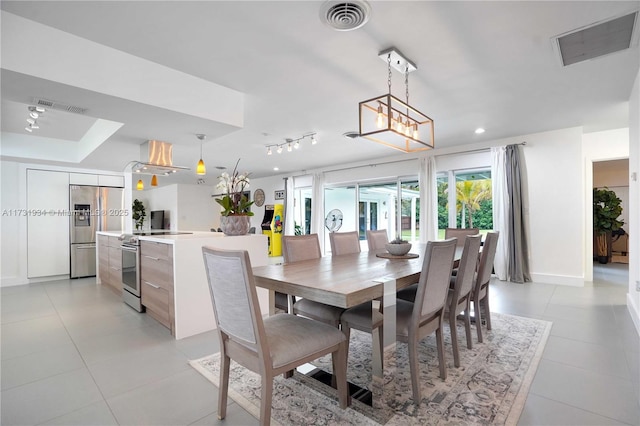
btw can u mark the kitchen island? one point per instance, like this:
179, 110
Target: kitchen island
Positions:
180, 279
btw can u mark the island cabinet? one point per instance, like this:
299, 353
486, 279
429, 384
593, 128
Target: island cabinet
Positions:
110, 262
156, 282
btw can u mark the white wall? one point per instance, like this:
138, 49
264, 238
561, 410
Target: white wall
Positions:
633, 296
197, 210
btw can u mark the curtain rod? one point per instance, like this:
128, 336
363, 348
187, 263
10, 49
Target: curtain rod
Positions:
475, 150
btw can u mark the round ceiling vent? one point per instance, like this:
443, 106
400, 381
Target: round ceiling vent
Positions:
345, 15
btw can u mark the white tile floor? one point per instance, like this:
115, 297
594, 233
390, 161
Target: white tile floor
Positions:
74, 354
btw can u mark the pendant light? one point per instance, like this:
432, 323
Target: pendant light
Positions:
140, 185
393, 122
154, 180
200, 168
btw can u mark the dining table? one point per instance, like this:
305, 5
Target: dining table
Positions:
349, 280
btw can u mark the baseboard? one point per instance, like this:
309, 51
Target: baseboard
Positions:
557, 279
15, 281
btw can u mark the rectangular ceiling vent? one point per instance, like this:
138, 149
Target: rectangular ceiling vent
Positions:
59, 106
597, 40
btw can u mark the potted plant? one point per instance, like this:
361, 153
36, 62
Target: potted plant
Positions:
139, 213
398, 246
606, 210
236, 207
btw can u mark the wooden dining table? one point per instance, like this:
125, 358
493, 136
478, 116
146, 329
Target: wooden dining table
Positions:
349, 280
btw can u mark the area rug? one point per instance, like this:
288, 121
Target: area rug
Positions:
489, 387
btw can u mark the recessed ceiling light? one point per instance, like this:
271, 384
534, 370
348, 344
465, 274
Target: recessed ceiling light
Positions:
276, 168
479, 130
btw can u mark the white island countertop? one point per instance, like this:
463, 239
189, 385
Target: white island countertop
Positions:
192, 301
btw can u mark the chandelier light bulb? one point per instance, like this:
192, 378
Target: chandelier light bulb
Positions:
268, 150
415, 131
380, 120
314, 140
200, 168
408, 128
400, 126
279, 149
289, 147
296, 145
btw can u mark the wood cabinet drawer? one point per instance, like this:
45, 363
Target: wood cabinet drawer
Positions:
157, 300
157, 272
156, 250
114, 242
103, 240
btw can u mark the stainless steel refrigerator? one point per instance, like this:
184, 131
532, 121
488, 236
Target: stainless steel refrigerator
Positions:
93, 208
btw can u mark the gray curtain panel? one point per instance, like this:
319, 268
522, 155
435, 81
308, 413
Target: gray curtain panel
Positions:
518, 252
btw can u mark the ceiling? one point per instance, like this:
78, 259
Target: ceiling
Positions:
186, 65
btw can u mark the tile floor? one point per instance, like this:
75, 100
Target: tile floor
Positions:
74, 354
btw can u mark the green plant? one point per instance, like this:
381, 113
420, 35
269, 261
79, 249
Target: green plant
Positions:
234, 202
139, 213
398, 240
606, 210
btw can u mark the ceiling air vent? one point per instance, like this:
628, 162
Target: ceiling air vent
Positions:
345, 15
597, 40
59, 106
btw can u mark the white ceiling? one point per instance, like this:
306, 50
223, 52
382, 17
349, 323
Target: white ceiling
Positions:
480, 64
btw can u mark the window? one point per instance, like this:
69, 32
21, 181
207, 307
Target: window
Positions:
470, 206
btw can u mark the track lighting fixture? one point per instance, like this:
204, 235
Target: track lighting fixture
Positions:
292, 144
32, 121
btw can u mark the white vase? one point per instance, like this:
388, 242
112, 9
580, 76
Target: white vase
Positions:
235, 225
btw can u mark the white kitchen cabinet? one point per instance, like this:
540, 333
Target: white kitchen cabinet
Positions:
47, 223
83, 179
109, 180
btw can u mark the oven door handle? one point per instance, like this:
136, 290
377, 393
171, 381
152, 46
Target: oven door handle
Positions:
129, 248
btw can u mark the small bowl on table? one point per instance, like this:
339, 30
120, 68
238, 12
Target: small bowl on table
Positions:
398, 249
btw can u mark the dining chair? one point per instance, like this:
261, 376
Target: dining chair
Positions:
480, 296
414, 321
297, 248
460, 233
459, 299
344, 243
269, 346
376, 240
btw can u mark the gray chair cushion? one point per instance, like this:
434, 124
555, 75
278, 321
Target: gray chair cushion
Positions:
288, 337
363, 317
408, 293
404, 310
319, 311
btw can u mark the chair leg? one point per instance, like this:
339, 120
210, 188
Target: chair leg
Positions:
441, 360
478, 317
225, 363
339, 360
414, 370
454, 338
467, 326
487, 312
266, 394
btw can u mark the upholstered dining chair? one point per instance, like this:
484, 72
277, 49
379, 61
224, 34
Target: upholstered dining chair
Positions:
460, 233
344, 243
459, 299
415, 321
377, 239
296, 248
269, 346
480, 296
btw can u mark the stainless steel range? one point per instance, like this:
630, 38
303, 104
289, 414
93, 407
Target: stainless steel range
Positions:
131, 271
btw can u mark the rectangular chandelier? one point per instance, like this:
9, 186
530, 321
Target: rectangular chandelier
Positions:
389, 121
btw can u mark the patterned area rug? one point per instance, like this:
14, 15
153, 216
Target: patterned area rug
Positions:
490, 386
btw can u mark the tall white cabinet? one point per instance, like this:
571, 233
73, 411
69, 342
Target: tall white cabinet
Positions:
47, 234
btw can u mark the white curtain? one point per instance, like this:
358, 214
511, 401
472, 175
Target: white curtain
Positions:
289, 222
428, 200
500, 209
317, 208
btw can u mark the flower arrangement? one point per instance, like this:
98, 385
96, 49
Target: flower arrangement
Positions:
233, 185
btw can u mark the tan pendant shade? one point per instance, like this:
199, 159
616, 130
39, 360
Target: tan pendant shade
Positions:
154, 180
